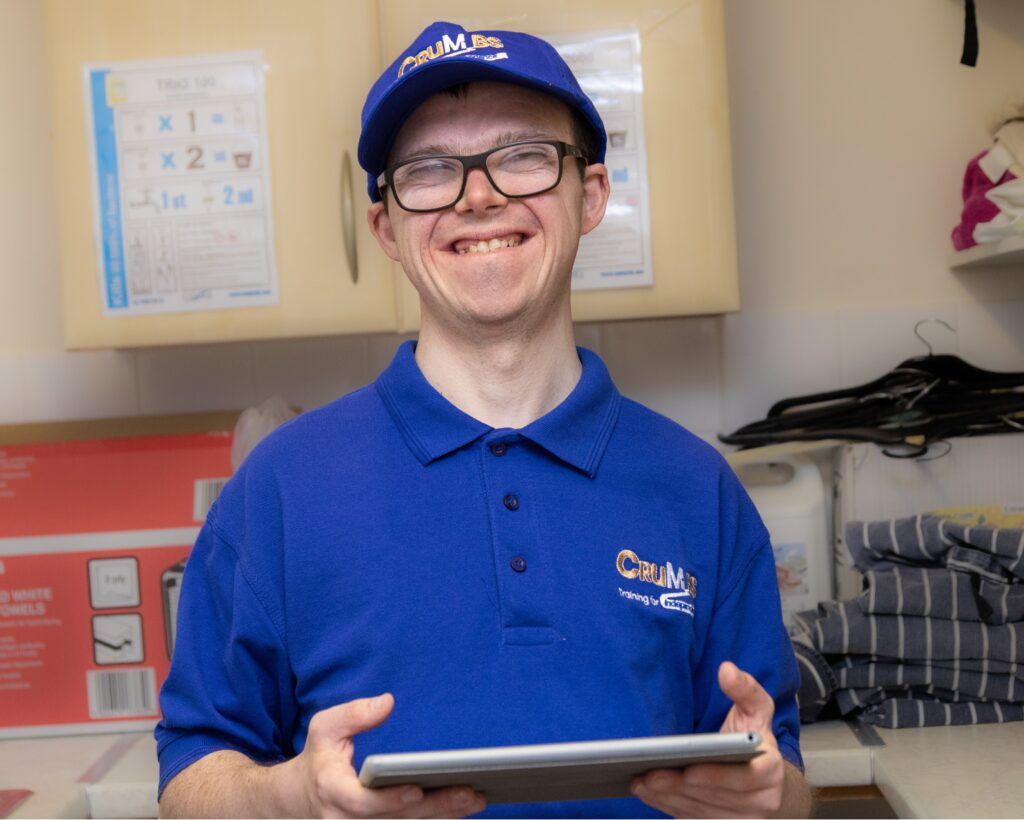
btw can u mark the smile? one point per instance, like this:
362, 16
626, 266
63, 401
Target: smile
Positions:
487, 245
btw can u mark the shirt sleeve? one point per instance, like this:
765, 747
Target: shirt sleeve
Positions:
229, 685
747, 629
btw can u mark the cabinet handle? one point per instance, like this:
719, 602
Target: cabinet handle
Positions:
348, 218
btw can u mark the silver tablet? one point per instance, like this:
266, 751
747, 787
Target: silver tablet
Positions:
587, 770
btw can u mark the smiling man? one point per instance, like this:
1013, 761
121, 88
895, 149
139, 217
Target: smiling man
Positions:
489, 545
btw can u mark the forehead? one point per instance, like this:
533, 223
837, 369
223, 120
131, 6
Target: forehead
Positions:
473, 121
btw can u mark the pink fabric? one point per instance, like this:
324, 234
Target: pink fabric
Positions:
977, 208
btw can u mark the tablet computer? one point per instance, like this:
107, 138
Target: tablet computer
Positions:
586, 770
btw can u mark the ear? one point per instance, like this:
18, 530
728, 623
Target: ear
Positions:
382, 229
596, 190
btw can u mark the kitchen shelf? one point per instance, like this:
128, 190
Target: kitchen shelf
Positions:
1008, 251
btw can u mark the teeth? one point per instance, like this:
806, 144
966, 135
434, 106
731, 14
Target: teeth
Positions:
485, 246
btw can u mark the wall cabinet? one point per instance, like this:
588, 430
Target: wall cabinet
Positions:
321, 57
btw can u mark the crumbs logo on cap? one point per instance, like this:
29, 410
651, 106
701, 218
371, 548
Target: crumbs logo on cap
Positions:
446, 47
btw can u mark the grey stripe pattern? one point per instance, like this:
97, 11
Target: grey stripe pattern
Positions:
936, 636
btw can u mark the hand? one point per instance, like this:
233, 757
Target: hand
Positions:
324, 772
751, 789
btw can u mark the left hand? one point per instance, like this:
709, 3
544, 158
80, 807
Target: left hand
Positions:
751, 789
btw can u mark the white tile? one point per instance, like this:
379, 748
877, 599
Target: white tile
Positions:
992, 334
82, 385
872, 341
12, 391
381, 349
670, 365
196, 379
307, 373
771, 356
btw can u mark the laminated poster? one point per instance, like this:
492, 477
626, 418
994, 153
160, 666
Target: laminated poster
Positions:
181, 184
616, 254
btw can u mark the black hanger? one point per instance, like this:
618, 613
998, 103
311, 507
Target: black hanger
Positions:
921, 401
912, 375
954, 369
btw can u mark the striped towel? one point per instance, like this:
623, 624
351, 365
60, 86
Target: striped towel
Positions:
930, 541
900, 710
843, 628
937, 637
942, 593
878, 666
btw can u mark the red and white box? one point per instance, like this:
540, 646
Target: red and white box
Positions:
93, 540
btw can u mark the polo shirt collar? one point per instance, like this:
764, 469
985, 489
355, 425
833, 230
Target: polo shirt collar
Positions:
576, 432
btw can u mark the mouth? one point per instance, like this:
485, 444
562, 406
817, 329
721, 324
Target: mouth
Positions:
488, 245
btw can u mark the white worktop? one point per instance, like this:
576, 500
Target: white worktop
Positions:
955, 771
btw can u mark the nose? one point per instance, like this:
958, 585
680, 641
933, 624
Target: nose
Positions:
479, 195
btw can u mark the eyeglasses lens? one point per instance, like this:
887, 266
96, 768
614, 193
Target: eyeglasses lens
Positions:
515, 170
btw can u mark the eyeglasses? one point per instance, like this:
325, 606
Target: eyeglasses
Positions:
519, 169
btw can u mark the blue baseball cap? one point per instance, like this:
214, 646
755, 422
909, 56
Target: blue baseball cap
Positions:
445, 54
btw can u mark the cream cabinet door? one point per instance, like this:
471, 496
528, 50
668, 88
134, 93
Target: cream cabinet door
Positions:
321, 57
686, 112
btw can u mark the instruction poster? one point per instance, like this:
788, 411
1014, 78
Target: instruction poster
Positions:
181, 184
616, 254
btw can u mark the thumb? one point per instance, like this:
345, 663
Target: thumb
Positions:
346, 720
751, 702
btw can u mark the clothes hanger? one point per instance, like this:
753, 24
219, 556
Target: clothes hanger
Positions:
954, 369
922, 401
913, 374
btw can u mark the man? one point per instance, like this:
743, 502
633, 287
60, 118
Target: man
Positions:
490, 535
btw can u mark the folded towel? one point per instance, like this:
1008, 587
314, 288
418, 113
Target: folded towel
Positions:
930, 541
843, 628
942, 593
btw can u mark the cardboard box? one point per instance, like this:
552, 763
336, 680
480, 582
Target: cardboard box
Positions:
93, 539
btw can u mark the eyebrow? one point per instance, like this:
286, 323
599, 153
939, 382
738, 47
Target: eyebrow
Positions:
442, 150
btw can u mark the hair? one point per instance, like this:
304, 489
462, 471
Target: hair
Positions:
584, 136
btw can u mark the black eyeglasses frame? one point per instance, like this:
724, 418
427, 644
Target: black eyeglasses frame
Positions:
386, 178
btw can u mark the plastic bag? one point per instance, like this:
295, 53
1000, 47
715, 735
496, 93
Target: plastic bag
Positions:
255, 424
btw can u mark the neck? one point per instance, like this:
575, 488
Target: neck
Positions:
500, 378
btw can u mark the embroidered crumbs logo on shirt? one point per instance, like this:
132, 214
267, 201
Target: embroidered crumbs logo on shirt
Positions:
448, 46
630, 566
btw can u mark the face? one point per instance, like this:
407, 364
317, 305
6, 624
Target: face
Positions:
526, 277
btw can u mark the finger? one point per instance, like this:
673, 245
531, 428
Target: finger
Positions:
683, 805
715, 776
747, 695
668, 789
761, 772
731, 783
346, 720
454, 802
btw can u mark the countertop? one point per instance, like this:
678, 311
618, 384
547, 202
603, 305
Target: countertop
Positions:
116, 775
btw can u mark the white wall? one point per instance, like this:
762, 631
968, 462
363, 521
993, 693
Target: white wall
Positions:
852, 122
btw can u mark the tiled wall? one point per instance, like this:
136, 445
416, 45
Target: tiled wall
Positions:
711, 374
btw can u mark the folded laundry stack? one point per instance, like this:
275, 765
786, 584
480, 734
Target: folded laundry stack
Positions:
937, 637
993, 189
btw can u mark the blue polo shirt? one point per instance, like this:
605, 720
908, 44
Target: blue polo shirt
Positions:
580, 578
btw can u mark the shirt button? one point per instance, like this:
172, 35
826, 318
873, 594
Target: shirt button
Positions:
511, 502
518, 564
499, 448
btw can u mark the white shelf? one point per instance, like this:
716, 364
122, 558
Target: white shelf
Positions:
1008, 251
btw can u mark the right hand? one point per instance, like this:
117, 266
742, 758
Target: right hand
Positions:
331, 786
